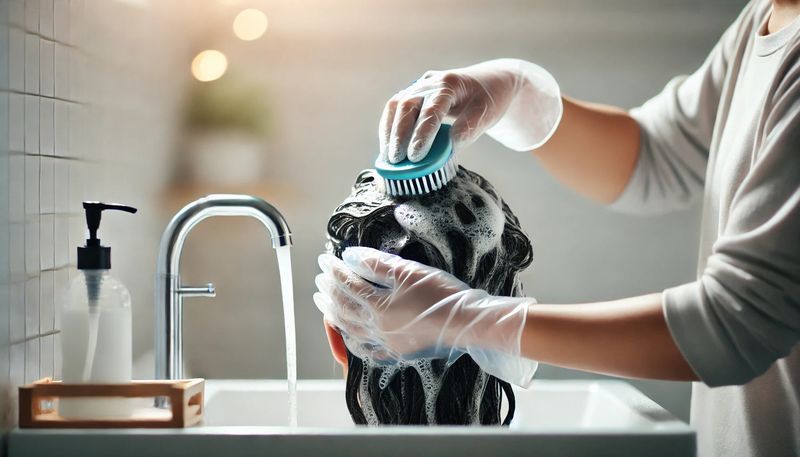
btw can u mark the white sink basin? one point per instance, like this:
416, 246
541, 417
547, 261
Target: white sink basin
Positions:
249, 417
566, 405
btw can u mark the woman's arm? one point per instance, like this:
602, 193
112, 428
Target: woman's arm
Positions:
593, 151
419, 309
627, 337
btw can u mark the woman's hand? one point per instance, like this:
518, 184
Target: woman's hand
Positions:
518, 103
404, 314
395, 310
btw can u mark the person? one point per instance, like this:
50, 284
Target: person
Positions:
477, 239
731, 131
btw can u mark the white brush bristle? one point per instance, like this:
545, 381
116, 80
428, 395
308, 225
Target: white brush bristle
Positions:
424, 184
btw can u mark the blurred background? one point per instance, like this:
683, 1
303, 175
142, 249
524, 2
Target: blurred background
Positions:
155, 103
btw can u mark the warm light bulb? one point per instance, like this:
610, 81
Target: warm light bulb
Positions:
250, 24
209, 65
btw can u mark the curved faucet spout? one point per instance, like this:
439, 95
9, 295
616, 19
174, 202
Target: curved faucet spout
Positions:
170, 291
175, 234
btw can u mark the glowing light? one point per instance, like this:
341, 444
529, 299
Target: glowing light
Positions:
250, 24
209, 65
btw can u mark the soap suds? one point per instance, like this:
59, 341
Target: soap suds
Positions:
434, 216
431, 384
363, 396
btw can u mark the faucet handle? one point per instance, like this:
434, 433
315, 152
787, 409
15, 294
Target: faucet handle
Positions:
203, 291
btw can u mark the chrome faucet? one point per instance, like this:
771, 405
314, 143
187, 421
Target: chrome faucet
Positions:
170, 292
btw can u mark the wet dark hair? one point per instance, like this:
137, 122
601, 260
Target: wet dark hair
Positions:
466, 394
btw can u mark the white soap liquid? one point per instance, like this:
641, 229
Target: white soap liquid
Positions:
106, 333
91, 347
287, 292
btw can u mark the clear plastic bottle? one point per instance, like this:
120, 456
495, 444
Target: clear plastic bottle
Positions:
96, 340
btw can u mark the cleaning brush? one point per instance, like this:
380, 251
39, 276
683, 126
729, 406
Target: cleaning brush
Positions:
419, 178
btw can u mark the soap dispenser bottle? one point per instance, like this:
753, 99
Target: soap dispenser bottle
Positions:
96, 326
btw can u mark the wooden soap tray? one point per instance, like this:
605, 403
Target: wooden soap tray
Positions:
38, 403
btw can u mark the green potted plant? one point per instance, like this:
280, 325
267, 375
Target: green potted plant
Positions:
227, 130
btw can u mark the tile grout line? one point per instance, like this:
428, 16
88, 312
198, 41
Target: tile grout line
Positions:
7, 375
55, 193
42, 37
69, 129
25, 235
14, 152
53, 202
34, 337
49, 97
23, 278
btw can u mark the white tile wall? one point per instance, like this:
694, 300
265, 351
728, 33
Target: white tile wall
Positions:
16, 121
32, 16
46, 18
17, 312
31, 371
46, 67
63, 116
16, 183
16, 49
32, 63
46, 127
46, 356
32, 307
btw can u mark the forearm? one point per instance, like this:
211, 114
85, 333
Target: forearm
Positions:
626, 337
593, 151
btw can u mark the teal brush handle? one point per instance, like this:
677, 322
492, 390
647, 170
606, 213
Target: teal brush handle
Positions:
439, 154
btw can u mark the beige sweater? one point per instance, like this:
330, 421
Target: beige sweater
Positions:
732, 130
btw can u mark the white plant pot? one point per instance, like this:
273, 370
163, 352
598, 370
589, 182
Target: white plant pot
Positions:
225, 158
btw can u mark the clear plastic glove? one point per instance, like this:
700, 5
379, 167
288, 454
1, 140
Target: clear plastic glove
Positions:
517, 103
394, 310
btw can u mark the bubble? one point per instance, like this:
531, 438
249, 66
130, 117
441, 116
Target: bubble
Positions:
477, 397
363, 396
387, 374
431, 384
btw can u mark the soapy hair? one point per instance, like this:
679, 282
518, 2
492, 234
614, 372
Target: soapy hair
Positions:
465, 229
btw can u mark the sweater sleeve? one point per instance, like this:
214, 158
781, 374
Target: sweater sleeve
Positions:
744, 312
676, 127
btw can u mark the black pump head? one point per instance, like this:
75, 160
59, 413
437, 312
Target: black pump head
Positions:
93, 256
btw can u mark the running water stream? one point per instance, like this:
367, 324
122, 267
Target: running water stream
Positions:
287, 293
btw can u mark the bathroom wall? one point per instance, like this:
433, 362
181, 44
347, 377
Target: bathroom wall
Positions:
85, 108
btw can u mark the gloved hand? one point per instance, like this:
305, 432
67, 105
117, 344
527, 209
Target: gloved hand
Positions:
517, 103
394, 310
